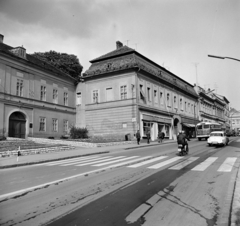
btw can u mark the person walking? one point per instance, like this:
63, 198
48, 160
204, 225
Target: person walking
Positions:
159, 137
148, 136
163, 136
138, 136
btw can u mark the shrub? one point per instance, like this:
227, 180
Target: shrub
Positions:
78, 133
2, 138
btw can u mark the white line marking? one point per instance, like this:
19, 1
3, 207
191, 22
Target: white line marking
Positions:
125, 163
184, 163
147, 162
161, 164
119, 160
104, 160
64, 179
67, 160
227, 165
85, 161
204, 165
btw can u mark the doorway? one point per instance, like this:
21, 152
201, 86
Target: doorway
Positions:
17, 125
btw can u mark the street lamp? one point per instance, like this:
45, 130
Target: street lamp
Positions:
220, 57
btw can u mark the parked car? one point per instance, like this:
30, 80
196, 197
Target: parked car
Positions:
218, 138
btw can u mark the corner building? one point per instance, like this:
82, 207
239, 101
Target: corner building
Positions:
36, 99
124, 91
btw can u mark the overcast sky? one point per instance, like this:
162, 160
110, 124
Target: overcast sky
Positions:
176, 34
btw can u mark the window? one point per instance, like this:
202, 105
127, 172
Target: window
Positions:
175, 101
65, 99
123, 91
161, 98
19, 90
181, 104
149, 94
54, 125
42, 126
43, 93
142, 95
109, 94
155, 96
95, 96
146, 127
189, 109
79, 98
65, 125
185, 106
168, 100
55, 96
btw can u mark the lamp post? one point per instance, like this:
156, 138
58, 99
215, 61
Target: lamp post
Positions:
220, 57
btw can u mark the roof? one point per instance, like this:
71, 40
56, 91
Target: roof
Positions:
34, 61
118, 52
124, 58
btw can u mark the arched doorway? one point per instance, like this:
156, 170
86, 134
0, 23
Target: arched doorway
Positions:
17, 125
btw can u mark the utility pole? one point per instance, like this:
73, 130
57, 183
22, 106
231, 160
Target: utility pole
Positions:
196, 64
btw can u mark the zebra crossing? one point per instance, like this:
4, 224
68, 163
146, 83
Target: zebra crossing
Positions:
149, 162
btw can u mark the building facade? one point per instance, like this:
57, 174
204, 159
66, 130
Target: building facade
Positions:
213, 107
123, 91
36, 99
235, 120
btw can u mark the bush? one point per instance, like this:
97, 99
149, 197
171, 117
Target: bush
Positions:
78, 133
3, 138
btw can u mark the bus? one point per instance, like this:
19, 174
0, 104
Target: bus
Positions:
204, 129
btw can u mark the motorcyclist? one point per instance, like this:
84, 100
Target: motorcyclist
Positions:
182, 139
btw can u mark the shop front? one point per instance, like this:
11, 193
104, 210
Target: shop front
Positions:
189, 126
155, 124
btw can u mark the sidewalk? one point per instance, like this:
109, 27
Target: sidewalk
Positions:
8, 162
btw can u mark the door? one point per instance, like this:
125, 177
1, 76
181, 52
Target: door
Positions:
17, 125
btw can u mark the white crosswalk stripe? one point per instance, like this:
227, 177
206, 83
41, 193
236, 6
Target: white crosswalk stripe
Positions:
69, 160
227, 165
119, 160
104, 160
137, 161
205, 164
147, 162
184, 163
161, 164
128, 162
86, 161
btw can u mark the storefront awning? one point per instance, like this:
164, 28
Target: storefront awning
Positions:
156, 119
188, 125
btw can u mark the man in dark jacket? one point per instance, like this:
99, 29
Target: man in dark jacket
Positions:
138, 136
182, 139
148, 136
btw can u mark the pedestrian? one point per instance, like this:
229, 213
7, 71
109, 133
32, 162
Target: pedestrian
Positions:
159, 137
163, 136
148, 136
138, 136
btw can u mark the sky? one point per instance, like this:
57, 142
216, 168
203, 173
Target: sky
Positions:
176, 34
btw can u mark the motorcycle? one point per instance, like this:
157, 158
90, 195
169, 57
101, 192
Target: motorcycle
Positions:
182, 150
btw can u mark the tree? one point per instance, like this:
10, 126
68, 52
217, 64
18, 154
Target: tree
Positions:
68, 64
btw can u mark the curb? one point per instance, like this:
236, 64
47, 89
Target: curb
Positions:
50, 160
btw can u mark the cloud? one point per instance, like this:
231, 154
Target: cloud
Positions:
80, 18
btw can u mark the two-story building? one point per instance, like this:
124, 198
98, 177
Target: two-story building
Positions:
124, 91
36, 99
213, 107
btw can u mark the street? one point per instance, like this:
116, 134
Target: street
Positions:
143, 186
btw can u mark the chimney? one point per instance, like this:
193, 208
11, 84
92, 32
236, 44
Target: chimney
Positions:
1, 38
119, 44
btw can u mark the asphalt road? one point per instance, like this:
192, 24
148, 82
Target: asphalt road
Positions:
144, 186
